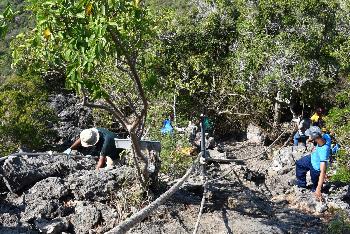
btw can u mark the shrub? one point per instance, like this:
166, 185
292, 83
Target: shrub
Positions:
25, 117
340, 224
174, 160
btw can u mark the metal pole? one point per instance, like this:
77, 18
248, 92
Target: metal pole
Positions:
174, 109
203, 148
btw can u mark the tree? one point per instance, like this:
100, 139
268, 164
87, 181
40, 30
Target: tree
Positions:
25, 117
102, 46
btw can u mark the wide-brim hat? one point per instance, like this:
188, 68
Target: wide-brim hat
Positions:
89, 137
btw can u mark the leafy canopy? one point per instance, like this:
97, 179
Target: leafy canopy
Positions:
82, 35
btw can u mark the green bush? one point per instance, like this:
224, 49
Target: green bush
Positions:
174, 160
342, 167
25, 117
338, 120
340, 224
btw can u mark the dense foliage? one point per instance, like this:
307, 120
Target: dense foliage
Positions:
25, 115
240, 61
17, 24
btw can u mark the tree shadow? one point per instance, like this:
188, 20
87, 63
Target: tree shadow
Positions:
224, 216
234, 196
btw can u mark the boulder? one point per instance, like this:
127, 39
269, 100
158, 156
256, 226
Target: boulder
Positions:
20, 172
46, 189
285, 158
85, 218
109, 217
73, 118
255, 134
98, 186
46, 209
55, 226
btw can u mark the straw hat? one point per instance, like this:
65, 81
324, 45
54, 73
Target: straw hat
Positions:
89, 137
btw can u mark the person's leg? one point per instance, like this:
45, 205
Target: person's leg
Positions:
303, 165
315, 175
303, 139
296, 139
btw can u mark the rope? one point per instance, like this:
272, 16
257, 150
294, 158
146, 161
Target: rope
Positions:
205, 186
45, 153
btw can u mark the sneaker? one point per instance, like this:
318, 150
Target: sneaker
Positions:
294, 182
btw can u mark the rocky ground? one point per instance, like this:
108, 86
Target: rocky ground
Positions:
56, 194
255, 197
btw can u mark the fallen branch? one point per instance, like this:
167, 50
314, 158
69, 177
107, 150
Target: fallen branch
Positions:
145, 212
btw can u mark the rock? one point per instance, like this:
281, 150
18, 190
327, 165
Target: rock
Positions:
284, 159
109, 217
98, 186
55, 226
321, 207
46, 189
255, 135
3, 187
85, 218
46, 209
42, 200
9, 220
20, 172
73, 118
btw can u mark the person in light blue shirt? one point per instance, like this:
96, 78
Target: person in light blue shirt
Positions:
316, 163
167, 127
328, 139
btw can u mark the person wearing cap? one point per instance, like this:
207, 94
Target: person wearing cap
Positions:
103, 141
316, 163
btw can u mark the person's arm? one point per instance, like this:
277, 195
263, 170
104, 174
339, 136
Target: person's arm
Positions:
323, 168
100, 162
76, 144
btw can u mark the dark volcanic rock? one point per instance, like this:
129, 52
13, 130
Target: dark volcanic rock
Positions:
98, 186
21, 172
40, 209
42, 200
73, 118
85, 218
3, 187
49, 188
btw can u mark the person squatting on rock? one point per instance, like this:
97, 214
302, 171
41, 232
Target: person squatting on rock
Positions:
104, 143
316, 163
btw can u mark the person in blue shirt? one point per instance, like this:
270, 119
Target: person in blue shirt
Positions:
167, 127
316, 163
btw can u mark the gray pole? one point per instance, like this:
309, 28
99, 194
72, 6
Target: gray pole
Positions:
203, 148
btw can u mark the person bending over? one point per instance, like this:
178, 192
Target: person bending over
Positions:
104, 143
